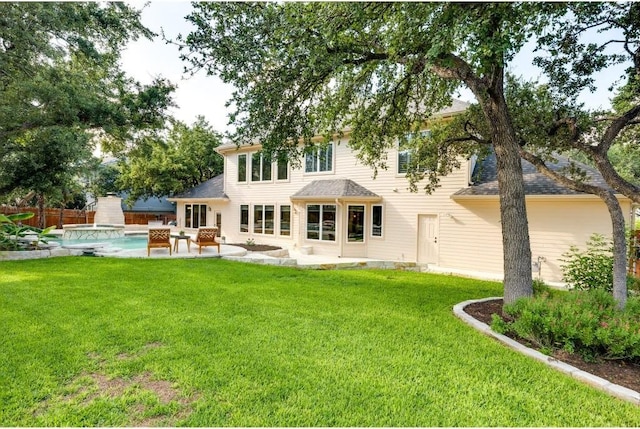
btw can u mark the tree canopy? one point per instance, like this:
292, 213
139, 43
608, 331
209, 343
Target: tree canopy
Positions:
160, 166
61, 89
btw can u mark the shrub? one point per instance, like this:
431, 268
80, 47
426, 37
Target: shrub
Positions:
592, 268
584, 322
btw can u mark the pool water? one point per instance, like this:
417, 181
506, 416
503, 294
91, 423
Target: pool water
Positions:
128, 242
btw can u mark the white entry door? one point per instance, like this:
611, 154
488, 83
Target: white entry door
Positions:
428, 239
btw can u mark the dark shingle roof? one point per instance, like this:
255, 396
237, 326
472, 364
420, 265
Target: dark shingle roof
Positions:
336, 188
212, 188
486, 179
153, 204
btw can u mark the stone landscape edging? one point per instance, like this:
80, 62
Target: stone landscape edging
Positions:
616, 390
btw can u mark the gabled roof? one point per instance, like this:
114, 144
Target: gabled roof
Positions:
342, 189
211, 189
485, 176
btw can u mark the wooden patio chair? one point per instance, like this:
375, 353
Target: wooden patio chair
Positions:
206, 236
158, 238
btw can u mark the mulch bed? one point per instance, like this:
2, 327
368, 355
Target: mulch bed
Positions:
619, 372
256, 247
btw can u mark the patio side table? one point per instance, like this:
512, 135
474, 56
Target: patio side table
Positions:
176, 241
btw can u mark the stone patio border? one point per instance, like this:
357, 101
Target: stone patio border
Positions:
616, 390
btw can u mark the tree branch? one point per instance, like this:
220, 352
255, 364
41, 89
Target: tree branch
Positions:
575, 185
616, 127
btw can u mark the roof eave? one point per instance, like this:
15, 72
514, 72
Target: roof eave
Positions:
538, 197
198, 199
372, 199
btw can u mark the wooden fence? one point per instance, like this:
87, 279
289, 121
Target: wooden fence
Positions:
69, 216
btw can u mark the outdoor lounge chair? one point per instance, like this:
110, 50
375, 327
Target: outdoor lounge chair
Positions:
158, 238
206, 236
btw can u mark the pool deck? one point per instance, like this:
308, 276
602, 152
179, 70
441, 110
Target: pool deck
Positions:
282, 257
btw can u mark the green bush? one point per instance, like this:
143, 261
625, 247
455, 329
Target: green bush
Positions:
583, 322
592, 268
11, 231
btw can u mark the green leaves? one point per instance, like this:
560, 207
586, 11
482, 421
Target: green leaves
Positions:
159, 166
377, 69
61, 88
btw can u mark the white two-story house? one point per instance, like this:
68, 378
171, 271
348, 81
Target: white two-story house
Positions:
332, 205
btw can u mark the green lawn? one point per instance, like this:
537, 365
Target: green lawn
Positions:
124, 342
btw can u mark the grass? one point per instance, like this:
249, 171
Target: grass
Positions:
117, 342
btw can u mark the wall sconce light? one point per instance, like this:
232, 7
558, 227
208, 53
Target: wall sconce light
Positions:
209, 208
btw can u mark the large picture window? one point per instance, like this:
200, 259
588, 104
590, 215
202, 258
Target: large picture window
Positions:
285, 220
319, 159
355, 224
242, 168
260, 168
321, 222
244, 218
263, 220
376, 221
195, 215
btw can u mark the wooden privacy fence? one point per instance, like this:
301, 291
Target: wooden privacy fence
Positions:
70, 216
52, 216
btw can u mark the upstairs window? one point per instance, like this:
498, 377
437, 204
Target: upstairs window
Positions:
242, 168
260, 168
319, 159
405, 150
283, 170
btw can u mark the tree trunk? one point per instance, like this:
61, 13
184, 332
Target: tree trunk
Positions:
516, 245
60, 218
41, 214
619, 249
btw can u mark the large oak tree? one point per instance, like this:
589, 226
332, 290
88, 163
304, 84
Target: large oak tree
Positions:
379, 69
61, 89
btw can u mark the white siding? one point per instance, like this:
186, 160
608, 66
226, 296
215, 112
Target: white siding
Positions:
470, 237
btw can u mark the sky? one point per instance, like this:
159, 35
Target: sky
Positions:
206, 95
144, 60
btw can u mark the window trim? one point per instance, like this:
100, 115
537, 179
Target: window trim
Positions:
280, 234
277, 168
245, 206
261, 168
408, 151
364, 223
264, 219
202, 214
245, 167
316, 153
320, 223
371, 234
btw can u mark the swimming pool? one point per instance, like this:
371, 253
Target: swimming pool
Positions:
128, 242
